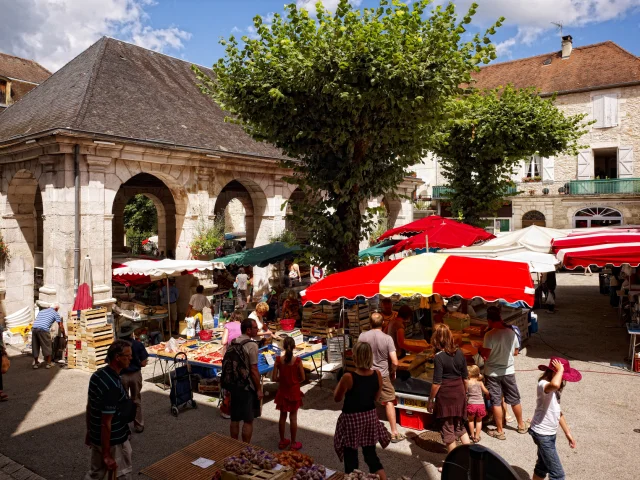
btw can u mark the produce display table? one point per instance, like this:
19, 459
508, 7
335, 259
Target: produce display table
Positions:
214, 447
633, 329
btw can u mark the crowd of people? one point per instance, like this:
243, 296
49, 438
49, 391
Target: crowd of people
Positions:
460, 397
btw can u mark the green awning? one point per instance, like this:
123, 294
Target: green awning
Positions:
377, 250
260, 256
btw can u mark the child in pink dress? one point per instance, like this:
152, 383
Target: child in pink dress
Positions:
289, 373
476, 410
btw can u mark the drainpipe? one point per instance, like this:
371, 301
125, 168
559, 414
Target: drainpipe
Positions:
76, 251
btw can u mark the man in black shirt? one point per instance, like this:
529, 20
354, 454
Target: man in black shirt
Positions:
132, 375
109, 410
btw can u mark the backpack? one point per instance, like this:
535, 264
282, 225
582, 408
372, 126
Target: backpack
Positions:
236, 370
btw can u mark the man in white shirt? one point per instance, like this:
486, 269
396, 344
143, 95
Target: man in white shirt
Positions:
199, 301
499, 350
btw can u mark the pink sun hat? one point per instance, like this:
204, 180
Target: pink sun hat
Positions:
569, 374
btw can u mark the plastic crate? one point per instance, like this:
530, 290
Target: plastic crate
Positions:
414, 420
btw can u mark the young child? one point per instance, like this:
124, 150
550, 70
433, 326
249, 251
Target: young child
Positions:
548, 416
475, 402
289, 373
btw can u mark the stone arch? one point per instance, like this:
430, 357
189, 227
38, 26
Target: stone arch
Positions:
163, 199
19, 232
296, 196
533, 217
393, 206
253, 199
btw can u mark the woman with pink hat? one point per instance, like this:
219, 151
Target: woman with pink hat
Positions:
548, 416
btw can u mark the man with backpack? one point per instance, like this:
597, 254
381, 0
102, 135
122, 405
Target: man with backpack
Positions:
241, 378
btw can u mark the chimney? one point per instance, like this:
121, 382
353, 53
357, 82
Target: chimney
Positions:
567, 45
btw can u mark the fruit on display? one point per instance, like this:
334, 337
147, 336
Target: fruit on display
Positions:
314, 472
360, 475
239, 465
295, 460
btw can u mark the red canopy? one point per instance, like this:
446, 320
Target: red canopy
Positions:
447, 275
601, 255
441, 233
603, 238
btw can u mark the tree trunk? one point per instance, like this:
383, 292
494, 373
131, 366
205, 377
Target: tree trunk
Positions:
351, 219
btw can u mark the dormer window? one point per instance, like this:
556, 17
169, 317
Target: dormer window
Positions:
5, 92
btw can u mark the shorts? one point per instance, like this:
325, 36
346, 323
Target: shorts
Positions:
476, 412
504, 386
388, 393
452, 428
40, 340
245, 406
120, 453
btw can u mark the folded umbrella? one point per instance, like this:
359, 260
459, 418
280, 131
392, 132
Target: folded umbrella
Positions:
83, 300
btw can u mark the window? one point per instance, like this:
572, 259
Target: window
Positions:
533, 167
597, 217
3, 92
605, 163
605, 110
533, 217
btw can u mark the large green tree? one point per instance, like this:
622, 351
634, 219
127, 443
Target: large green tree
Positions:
488, 133
352, 97
141, 216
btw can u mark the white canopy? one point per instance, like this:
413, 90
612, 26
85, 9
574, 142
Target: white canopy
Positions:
534, 238
538, 262
164, 268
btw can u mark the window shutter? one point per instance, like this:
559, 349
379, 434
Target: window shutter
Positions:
548, 166
518, 172
611, 110
625, 162
585, 165
598, 111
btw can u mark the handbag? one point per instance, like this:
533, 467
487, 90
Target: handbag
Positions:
6, 363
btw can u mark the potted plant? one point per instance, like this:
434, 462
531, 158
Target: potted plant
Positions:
208, 241
532, 192
5, 256
545, 191
561, 190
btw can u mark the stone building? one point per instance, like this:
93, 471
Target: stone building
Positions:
18, 76
129, 121
600, 186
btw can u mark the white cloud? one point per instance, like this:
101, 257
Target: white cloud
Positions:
52, 32
330, 5
533, 18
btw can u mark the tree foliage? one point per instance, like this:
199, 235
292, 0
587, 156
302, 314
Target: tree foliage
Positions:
488, 133
141, 216
352, 98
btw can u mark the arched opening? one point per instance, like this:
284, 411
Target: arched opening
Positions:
302, 235
533, 217
235, 204
392, 207
136, 200
22, 227
597, 217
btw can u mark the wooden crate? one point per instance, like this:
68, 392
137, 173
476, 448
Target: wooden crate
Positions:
259, 474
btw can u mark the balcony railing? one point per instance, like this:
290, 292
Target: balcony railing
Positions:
614, 186
442, 192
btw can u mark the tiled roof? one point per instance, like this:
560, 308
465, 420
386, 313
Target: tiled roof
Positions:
115, 88
589, 67
22, 69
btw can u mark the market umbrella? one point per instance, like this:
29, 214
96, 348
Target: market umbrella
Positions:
604, 238
601, 255
442, 232
613, 229
261, 256
377, 251
534, 238
426, 274
83, 300
538, 262
86, 273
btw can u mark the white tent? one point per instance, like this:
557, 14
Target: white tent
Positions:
164, 268
538, 262
533, 238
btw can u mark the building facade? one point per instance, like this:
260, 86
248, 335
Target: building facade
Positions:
18, 76
124, 120
601, 185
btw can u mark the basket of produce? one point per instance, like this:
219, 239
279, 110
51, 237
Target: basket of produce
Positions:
254, 464
360, 475
295, 460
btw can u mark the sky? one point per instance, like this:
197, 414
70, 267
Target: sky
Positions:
52, 32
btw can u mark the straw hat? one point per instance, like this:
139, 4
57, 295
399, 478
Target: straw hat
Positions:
569, 374
126, 329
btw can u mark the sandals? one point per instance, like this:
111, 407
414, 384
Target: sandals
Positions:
497, 435
475, 439
525, 429
399, 437
509, 419
296, 446
284, 444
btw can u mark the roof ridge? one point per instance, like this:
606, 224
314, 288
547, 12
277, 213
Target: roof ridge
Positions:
556, 52
88, 92
26, 60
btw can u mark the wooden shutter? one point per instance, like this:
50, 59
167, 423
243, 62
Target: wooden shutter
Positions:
548, 166
625, 162
585, 165
598, 111
518, 172
611, 110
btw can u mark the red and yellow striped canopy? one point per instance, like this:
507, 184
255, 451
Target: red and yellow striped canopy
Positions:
426, 274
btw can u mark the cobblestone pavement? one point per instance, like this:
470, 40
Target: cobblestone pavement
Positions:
10, 470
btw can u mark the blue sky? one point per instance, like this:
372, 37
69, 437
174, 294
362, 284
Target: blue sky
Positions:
52, 32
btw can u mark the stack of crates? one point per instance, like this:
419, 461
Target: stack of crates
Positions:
321, 320
89, 338
358, 320
335, 347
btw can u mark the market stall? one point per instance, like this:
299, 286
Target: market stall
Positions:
597, 239
424, 280
213, 456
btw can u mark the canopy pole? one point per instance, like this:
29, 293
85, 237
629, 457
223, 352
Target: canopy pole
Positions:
169, 307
